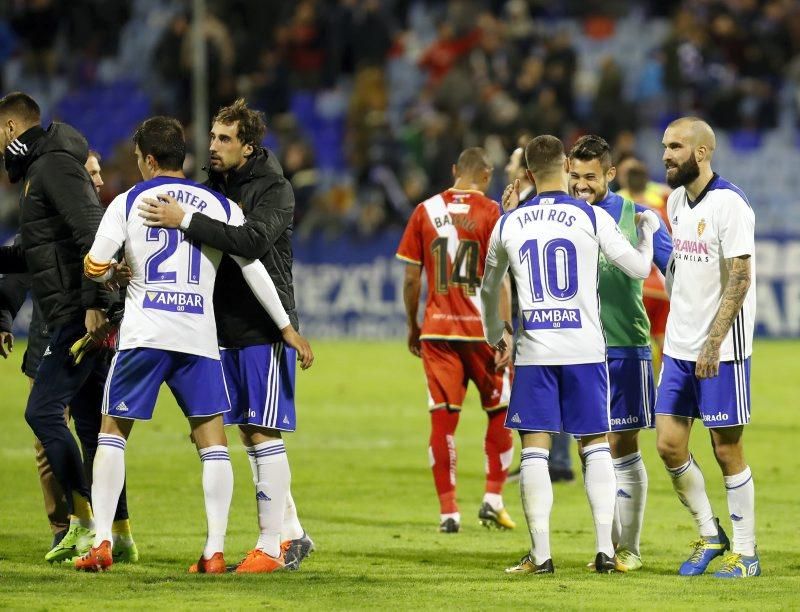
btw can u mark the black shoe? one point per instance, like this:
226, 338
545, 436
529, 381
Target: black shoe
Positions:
57, 537
489, 517
559, 474
449, 526
603, 564
526, 565
298, 550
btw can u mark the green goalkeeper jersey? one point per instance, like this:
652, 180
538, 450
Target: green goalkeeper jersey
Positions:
622, 312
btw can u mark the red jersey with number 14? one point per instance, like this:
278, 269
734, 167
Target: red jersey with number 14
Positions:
448, 235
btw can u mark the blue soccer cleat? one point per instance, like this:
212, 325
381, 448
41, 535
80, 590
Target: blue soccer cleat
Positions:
735, 565
705, 550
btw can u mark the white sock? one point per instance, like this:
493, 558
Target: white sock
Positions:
495, 500
537, 499
456, 516
274, 478
292, 529
108, 478
631, 499
601, 488
217, 492
742, 506
689, 484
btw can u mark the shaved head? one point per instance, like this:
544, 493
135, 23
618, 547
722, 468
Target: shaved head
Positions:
699, 133
689, 144
472, 162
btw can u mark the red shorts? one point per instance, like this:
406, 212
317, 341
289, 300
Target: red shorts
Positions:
657, 312
449, 366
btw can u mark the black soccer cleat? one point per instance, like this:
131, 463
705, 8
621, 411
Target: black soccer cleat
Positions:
526, 565
603, 564
450, 525
489, 517
298, 550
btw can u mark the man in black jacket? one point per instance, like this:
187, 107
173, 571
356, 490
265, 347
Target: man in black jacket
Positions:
60, 214
258, 367
14, 290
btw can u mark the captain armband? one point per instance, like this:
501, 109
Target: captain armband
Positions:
99, 272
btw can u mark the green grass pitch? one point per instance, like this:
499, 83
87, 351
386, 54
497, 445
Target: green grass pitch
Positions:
365, 494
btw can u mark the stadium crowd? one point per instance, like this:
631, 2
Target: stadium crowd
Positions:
369, 101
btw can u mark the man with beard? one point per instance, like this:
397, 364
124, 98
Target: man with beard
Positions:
709, 341
259, 367
627, 331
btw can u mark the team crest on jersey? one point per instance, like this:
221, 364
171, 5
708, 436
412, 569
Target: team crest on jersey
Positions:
701, 227
174, 301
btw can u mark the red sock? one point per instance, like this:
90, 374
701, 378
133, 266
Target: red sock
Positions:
443, 457
499, 448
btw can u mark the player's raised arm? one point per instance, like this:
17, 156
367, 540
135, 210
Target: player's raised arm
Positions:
494, 276
635, 262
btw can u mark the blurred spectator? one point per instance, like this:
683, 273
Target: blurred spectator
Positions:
306, 46
448, 49
611, 113
36, 23
299, 169
369, 34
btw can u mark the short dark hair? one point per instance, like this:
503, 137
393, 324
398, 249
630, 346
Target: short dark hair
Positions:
95, 154
21, 105
162, 137
472, 161
590, 147
544, 154
637, 179
250, 128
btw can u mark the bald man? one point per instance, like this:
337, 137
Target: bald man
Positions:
709, 340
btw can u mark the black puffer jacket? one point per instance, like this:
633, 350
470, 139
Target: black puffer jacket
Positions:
267, 201
60, 214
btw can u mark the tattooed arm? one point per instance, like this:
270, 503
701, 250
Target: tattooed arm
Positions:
739, 275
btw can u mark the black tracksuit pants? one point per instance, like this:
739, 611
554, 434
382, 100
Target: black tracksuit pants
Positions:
59, 383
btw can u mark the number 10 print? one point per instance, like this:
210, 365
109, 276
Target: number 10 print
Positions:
560, 268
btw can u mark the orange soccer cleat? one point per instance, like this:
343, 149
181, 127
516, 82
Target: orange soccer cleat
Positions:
214, 565
259, 562
98, 559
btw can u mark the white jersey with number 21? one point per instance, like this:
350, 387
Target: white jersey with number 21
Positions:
169, 299
552, 244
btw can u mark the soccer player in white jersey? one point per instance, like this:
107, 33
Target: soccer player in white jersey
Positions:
168, 335
709, 340
552, 244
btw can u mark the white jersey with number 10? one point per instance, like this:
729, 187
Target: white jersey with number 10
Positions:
169, 303
552, 245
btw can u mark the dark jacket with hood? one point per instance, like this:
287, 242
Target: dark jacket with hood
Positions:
267, 200
60, 214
